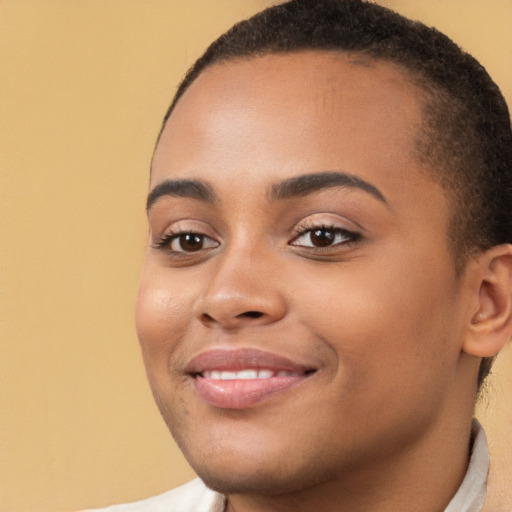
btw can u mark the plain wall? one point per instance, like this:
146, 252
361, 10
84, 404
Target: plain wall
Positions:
83, 88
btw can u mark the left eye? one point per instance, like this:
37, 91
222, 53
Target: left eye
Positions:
190, 242
323, 237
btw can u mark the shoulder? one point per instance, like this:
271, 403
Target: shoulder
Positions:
194, 496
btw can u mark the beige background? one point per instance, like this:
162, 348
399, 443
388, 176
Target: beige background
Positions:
83, 87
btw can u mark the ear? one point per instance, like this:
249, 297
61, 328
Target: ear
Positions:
491, 323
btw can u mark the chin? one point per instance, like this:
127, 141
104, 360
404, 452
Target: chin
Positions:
229, 482
264, 481
257, 472
229, 471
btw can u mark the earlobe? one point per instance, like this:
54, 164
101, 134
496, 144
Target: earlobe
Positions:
491, 324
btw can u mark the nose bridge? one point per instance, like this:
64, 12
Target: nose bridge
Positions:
242, 289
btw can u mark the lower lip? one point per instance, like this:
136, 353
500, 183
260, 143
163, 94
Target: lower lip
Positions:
241, 394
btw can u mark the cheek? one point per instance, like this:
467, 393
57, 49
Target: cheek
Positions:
382, 318
162, 315
394, 353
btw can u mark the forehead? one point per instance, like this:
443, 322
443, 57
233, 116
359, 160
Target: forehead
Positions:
287, 112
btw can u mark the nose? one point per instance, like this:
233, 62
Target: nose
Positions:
242, 291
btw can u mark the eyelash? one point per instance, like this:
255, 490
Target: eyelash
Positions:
166, 240
350, 238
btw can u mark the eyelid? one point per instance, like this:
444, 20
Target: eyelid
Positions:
348, 237
162, 240
340, 226
327, 220
187, 225
169, 239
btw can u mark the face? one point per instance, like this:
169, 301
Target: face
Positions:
299, 312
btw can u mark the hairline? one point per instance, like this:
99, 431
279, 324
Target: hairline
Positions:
427, 95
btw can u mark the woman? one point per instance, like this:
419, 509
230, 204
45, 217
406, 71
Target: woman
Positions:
328, 277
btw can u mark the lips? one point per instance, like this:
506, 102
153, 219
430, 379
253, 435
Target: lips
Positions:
238, 379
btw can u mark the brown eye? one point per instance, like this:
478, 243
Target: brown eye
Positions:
190, 242
322, 237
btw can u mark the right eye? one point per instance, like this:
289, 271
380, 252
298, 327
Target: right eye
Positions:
186, 242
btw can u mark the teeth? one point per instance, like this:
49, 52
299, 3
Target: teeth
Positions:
246, 374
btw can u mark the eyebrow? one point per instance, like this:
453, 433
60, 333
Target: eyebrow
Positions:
296, 186
193, 189
309, 183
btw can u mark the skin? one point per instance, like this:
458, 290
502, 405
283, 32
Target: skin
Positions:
384, 422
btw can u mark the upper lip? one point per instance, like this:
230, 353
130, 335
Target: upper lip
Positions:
242, 359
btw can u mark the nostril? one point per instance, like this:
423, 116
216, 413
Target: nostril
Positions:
209, 319
251, 314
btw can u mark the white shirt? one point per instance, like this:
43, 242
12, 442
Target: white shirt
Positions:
196, 497
472, 491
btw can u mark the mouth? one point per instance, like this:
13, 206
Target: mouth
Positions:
241, 378
249, 374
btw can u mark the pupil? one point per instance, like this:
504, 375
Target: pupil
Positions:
322, 237
191, 242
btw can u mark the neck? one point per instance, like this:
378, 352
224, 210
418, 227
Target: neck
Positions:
422, 477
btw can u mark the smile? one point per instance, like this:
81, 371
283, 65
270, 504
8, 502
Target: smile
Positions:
239, 379
248, 374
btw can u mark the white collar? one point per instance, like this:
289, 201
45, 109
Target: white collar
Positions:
472, 491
